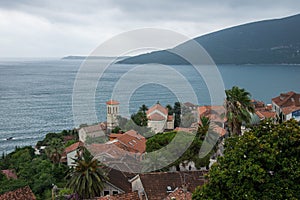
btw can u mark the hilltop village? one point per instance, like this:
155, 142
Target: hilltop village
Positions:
129, 149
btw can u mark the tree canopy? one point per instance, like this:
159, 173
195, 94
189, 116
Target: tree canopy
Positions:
261, 164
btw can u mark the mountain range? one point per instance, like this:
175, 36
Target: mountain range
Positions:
275, 41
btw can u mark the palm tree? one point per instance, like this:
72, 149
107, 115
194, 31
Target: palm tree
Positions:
203, 127
87, 177
54, 150
238, 108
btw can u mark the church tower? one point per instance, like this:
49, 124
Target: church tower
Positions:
112, 111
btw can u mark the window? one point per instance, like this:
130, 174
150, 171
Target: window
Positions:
106, 192
115, 192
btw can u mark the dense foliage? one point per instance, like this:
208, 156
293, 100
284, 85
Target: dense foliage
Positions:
261, 164
36, 171
191, 153
40, 172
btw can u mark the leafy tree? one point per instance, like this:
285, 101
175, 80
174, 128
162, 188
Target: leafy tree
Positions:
88, 177
117, 129
238, 108
170, 109
261, 164
177, 112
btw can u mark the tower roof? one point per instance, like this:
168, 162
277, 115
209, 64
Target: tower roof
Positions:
112, 102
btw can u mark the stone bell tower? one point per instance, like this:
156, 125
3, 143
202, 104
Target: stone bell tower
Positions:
112, 111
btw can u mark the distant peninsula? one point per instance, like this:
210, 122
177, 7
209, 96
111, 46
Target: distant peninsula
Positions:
93, 57
273, 41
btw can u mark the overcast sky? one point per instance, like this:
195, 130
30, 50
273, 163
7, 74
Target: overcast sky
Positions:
56, 28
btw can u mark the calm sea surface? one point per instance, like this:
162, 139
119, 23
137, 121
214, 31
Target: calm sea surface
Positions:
36, 94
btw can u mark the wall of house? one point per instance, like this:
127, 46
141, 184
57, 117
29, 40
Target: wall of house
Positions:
157, 126
170, 124
82, 135
109, 189
70, 156
138, 186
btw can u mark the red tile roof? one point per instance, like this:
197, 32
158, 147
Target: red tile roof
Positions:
265, 114
155, 184
112, 102
290, 109
10, 174
126, 196
287, 99
159, 108
24, 193
131, 141
180, 194
73, 147
156, 117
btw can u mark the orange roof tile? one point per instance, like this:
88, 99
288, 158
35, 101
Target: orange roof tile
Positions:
112, 102
73, 147
287, 99
159, 108
156, 117
136, 144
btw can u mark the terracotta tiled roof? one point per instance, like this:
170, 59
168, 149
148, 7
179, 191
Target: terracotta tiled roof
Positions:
73, 147
287, 99
180, 194
10, 174
24, 193
159, 108
126, 196
131, 141
265, 114
156, 117
155, 184
290, 109
112, 102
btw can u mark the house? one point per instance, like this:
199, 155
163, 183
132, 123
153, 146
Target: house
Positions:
158, 185
19, 194
93, 131
287, 106
158, 118
130, 141
111, 155
264, 111
117, 182
71, 152
190, 106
